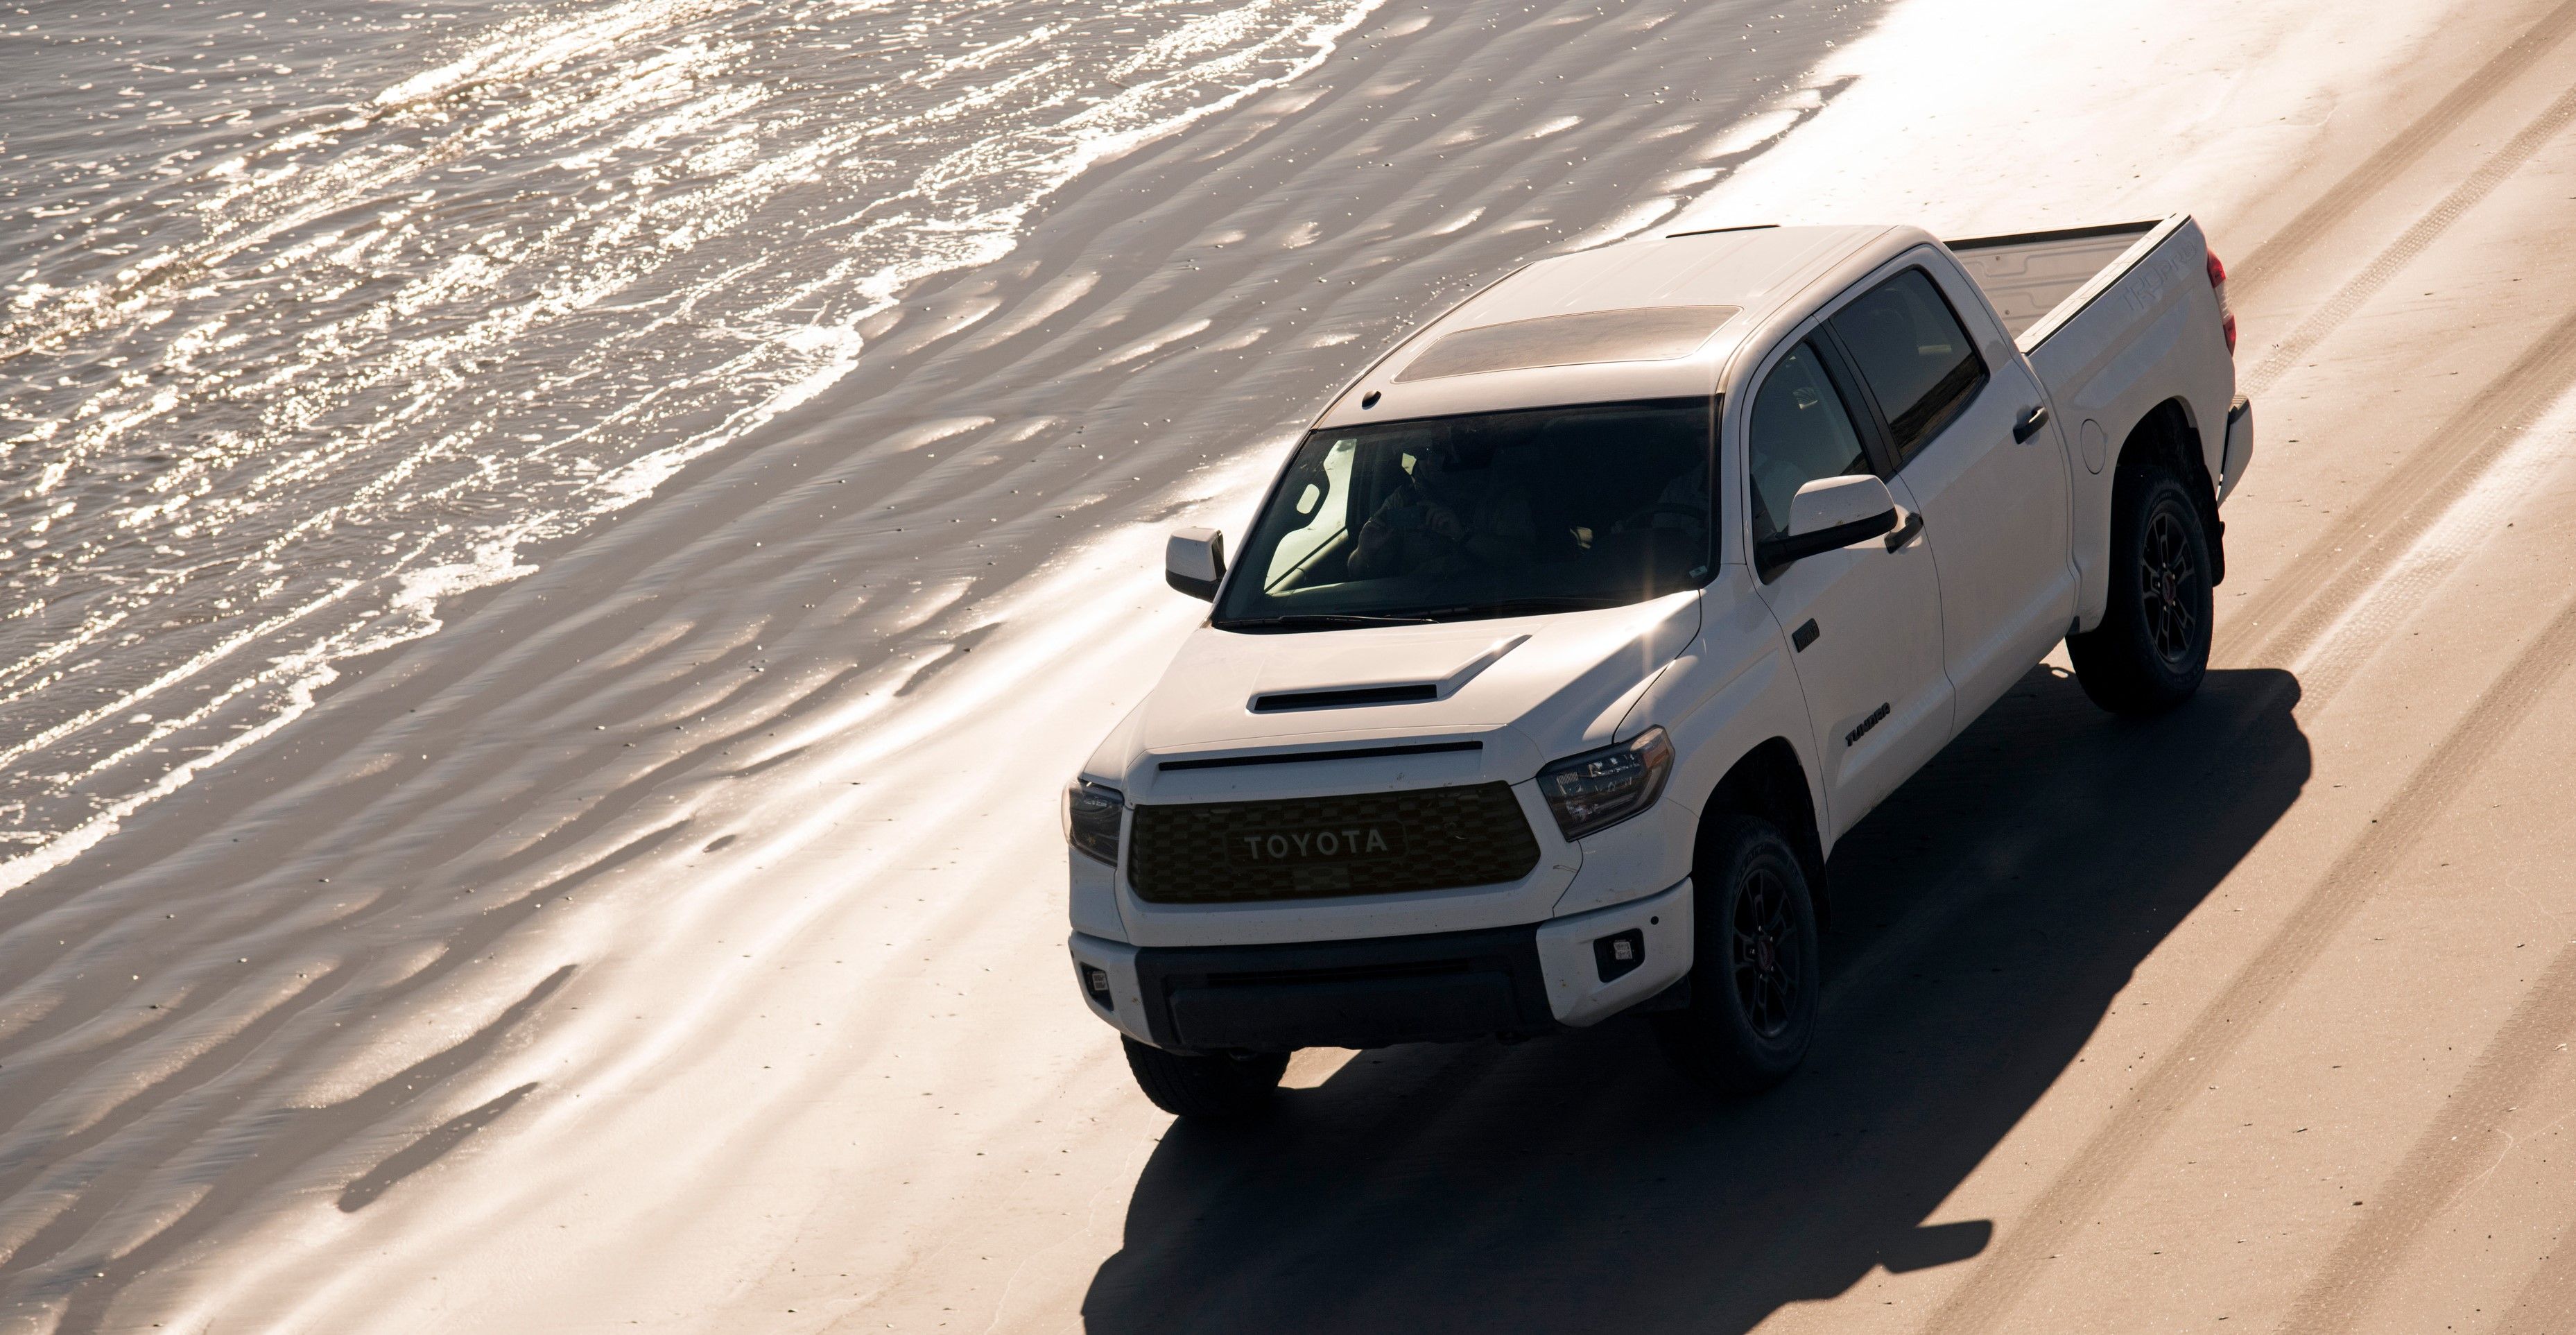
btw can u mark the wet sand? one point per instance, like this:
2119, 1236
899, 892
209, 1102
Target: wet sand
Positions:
674, 938
307, 970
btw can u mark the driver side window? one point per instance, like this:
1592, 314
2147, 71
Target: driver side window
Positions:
1800, 432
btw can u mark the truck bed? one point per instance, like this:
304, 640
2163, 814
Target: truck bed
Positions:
2117, 322
2038, 279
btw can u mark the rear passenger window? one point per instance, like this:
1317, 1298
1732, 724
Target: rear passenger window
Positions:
1799, 433
1918, 361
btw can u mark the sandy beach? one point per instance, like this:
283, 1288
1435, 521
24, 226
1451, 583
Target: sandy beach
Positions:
641, 904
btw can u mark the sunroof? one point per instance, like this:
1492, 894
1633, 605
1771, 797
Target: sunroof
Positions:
1643, 334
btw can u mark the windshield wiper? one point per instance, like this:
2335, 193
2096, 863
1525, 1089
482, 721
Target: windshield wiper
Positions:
1506, 607
1503, 607
1293, 620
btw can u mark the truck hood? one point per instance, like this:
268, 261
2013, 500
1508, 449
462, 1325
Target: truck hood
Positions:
1525, 690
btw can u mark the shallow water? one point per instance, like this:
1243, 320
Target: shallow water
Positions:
316, 313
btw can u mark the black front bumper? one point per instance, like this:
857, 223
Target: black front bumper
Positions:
1345, 994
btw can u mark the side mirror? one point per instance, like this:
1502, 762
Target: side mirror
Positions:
1827, 513
1194, 561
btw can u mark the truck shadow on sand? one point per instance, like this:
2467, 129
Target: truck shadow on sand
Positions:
1986, 919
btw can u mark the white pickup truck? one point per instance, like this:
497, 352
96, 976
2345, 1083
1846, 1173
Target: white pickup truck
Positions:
1579, 628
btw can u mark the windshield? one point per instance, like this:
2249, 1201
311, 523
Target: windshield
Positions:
1495, 514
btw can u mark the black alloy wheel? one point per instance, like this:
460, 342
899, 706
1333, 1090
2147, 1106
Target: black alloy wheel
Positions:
2169, 588
1755, 978
2151, 648
1765, 953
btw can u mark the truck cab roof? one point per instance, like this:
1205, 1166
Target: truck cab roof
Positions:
1644, 319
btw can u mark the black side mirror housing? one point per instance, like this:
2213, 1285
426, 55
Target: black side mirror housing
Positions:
1774, 553
1827, 513
1194, 562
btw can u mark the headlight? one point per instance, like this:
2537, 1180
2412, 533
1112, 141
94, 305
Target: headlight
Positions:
1091, 813
1591, 792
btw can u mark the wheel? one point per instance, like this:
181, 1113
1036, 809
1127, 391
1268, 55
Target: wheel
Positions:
1205, 1087
1754, 979
2152, 647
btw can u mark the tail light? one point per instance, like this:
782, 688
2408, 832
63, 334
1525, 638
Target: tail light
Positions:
2218, 286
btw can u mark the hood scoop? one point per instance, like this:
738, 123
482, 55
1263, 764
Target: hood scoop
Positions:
1346, 697
1361, 693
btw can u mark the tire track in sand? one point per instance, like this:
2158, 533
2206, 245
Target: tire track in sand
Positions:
2443, 1158
2318, 584
2299, 604
2296, 606
2548, 1296
2302, 603
2116, 1146
2411, 144
2410, 243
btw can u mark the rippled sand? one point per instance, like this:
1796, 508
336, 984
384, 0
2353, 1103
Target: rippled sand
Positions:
300, 339
778, 405
788, 406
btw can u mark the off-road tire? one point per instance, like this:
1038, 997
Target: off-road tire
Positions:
1213, 1088
2152, 646
1755, 975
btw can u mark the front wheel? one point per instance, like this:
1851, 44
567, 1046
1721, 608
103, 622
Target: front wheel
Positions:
1213, 1087
2152, 647
1755, 980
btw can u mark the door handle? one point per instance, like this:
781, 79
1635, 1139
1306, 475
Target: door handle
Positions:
1904, 533
2028, 425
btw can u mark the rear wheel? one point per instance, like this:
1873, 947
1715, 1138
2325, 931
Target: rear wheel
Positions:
1213, 1087
2152, 647
1755, 978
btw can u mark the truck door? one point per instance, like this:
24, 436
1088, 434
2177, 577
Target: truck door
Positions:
1864, 621
1994, 509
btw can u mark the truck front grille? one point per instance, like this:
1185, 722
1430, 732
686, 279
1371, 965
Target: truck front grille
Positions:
1318, 847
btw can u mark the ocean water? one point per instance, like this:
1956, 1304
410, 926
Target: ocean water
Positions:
310, 315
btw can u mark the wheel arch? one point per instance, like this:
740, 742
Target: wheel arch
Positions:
2168, 438
1771, 783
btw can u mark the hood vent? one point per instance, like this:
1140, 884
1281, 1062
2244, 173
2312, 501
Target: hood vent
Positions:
1294, 757
1354, 694
1346, 698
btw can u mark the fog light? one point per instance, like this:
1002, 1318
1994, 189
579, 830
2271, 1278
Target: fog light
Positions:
1095, 983
1619, 953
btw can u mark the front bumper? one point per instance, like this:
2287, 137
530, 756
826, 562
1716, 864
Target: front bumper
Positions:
1512, 982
